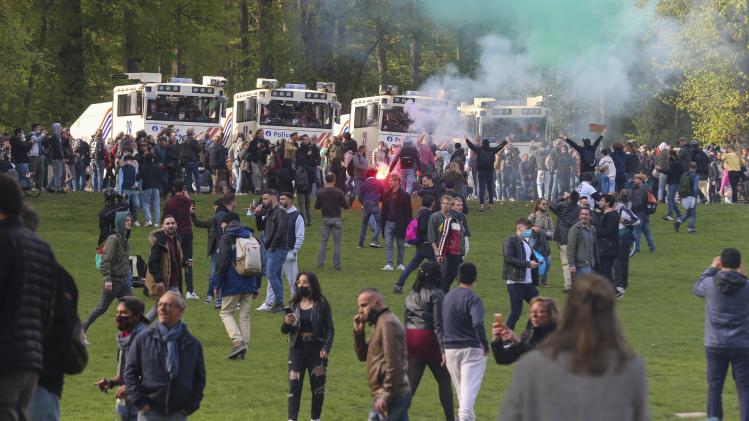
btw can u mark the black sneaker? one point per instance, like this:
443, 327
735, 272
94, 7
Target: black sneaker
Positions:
677, 224
278, 308
620, 292
375, 244
236, 351
360, 246
398, 289
668, 218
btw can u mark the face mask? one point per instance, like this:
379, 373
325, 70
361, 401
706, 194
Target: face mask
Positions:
304, 291
527, 233
123, 323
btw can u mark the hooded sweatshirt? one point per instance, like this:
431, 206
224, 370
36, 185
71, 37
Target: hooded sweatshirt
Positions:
726, 308
115, 260
55, 142
226, 277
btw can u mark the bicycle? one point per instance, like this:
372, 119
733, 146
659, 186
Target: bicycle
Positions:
31, 189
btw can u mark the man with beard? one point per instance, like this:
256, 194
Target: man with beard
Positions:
276, 245
178, 206
130, 322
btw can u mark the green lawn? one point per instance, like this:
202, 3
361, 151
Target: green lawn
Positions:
662, 319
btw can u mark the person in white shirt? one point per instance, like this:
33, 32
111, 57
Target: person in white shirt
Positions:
608, 172
585, 188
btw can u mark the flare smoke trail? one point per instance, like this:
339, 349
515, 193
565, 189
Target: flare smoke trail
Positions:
592, 48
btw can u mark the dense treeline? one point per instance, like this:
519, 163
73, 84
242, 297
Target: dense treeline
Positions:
59, 54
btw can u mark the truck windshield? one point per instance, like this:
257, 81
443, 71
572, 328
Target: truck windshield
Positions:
517, 129
193, 109
395, 120
297, 114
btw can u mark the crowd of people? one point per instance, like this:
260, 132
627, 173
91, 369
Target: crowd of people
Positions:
594, 204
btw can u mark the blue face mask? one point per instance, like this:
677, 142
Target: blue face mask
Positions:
527, 233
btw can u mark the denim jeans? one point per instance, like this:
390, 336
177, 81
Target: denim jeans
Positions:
397, 405
186, 242
211, 272
133, 199
607, 184
276, 259
450, 270
192, 171
334, 225
519, 293
508, 182
672, 206
57, 163
407, 179
370, 209
643, 228
44, 406
390, 237
690, 215
583, 270
718, 360
22, 169
153, 416
661, 187
97, 175
419, 256
485, 186
543, 178
237, 177
152, 200
80, 177
499, 191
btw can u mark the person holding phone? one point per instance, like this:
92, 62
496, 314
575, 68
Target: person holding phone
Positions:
520, 269
508, 348
308, 321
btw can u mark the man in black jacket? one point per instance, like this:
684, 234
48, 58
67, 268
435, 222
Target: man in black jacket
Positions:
396, 214
607, 233
276, 245
53, 146
28, 279
190, 160
165, 371
587, 152
639, 199
520, 269
485, 167
568, 213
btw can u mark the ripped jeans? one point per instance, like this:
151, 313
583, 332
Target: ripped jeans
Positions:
304, 357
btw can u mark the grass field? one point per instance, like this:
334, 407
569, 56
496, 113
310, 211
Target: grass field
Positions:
662, 320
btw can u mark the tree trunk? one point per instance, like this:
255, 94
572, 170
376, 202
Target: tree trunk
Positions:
265, 36
178, 66
72, 70
415, 59
35, 68
244, 35
381, 58
459, 49
326, 35
129, 29
308, 32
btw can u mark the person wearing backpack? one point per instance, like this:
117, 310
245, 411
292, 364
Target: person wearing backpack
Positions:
409, 164
236, 289
638, 197
485, 168
673, 172
689, 187
395, 216
115, 266
424, 248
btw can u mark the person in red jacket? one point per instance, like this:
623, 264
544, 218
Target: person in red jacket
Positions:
395, 216
179, 207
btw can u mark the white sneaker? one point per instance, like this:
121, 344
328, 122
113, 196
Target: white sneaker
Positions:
136, 223
148, 223
401, 267
388, 267
192, 296
264, 307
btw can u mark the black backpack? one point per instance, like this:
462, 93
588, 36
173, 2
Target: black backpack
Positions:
66, 328
301, 179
